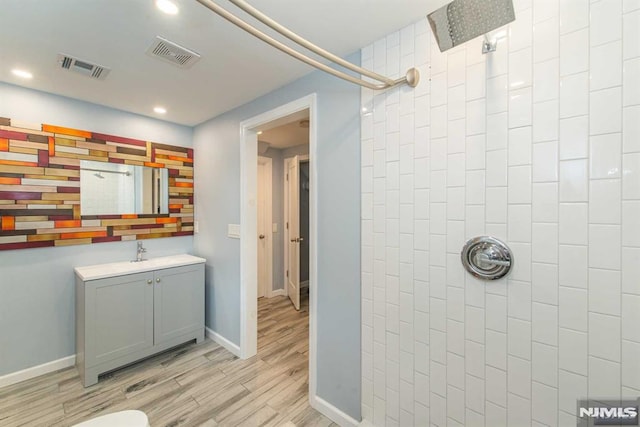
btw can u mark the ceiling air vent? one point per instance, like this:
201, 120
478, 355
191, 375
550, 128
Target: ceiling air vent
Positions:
83, 67
173, 53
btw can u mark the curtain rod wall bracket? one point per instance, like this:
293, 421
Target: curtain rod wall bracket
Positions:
412, 77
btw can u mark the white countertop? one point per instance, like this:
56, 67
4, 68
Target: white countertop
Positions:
101, 271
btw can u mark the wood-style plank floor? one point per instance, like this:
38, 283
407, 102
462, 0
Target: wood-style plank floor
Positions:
193, 385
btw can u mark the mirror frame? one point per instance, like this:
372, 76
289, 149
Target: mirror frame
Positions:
40, 187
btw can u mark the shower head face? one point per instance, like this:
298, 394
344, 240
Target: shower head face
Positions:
463, 20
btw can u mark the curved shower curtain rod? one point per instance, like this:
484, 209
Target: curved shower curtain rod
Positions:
411, 78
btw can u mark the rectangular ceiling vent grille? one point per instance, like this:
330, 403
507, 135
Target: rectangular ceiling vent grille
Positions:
172, 52
83, 67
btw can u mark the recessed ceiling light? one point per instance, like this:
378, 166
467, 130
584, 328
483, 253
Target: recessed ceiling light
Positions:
22, 74
259, 132
167, 6
160, 110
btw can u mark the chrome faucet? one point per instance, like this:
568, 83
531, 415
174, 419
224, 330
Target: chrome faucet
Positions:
141, 251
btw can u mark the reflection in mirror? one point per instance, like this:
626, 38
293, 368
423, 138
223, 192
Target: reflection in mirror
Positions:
116, 189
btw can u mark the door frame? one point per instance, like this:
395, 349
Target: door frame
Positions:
304, 158
268, 217
248, 226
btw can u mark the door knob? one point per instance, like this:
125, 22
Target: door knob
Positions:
300, 239
261, 236
158, 280
149, 281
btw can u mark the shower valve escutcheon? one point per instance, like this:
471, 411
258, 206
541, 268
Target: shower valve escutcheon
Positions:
487, 258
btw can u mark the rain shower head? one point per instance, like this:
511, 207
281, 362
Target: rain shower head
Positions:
463, 20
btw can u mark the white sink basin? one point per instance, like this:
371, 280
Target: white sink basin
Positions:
101, 271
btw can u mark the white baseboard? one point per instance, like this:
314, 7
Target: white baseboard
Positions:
278, 293
331, 412
36, 371
233, 348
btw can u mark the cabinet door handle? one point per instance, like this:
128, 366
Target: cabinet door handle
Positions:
149, 281
158, 280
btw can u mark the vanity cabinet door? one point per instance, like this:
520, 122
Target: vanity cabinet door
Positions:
119, 316
178, 302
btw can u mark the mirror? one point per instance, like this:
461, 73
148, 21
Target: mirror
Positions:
116, 189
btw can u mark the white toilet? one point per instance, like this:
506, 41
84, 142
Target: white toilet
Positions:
118, 419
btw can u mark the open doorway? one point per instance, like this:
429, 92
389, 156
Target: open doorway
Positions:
283, 207
263, 326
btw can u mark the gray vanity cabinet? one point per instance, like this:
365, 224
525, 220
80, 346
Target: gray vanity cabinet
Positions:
118, 317
122, 319
178, 302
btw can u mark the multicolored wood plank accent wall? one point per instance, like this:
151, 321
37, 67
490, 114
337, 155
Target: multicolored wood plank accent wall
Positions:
40, 187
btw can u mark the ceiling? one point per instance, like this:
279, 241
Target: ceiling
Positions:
286, 131
235, 67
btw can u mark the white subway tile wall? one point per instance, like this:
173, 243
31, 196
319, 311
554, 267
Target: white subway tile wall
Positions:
537, 144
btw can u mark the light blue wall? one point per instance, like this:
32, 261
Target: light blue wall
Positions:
37, 312
337, 162
41, 107
296, 150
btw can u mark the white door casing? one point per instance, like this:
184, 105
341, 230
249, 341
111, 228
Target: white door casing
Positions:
293, 242
248, 245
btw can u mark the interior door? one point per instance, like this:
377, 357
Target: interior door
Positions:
262, 231
293, 210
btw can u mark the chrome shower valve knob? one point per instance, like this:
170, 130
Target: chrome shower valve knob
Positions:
487, 258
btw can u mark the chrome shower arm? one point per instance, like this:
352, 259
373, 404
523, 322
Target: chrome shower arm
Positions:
411, 78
